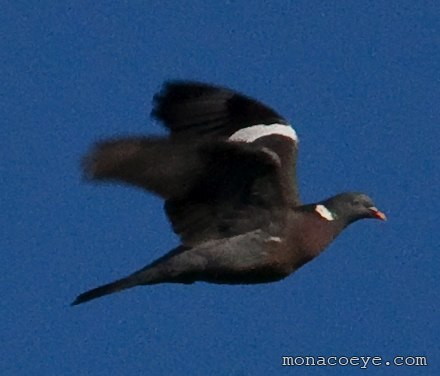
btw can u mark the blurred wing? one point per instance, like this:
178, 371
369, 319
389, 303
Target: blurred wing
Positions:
159, 165
228, 166
196, 109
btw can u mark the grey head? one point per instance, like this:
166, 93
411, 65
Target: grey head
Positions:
352, 206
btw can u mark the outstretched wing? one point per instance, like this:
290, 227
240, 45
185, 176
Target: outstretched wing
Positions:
228, 166
194, 109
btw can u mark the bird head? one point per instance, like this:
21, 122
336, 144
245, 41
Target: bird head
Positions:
352, 206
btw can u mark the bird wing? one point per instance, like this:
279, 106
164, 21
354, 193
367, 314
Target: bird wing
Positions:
227, 167
191, 109
197, 112
240, 191
249, 177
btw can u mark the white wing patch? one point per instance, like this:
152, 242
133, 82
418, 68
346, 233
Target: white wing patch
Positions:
250, 134
324, 212
275, 239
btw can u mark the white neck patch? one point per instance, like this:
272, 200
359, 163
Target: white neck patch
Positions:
250, 134
324, 212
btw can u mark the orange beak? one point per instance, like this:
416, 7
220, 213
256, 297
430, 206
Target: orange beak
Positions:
376, 213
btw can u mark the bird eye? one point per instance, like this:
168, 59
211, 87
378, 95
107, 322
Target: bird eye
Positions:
356, 203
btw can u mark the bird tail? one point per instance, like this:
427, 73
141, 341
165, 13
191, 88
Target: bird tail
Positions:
148, 275
109, 288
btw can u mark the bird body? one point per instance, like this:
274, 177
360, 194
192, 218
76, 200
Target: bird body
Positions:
227, 173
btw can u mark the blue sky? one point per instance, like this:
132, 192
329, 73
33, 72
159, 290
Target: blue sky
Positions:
359, 82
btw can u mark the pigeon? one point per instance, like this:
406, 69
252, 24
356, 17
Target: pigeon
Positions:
227, 172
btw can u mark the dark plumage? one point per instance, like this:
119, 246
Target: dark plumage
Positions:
227, 175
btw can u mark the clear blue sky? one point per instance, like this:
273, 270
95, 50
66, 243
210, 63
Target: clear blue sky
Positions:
359, 81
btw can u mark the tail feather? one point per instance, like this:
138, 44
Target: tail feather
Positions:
109, 288
156, 272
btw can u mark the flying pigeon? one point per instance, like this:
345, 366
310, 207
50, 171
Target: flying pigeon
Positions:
226, 171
